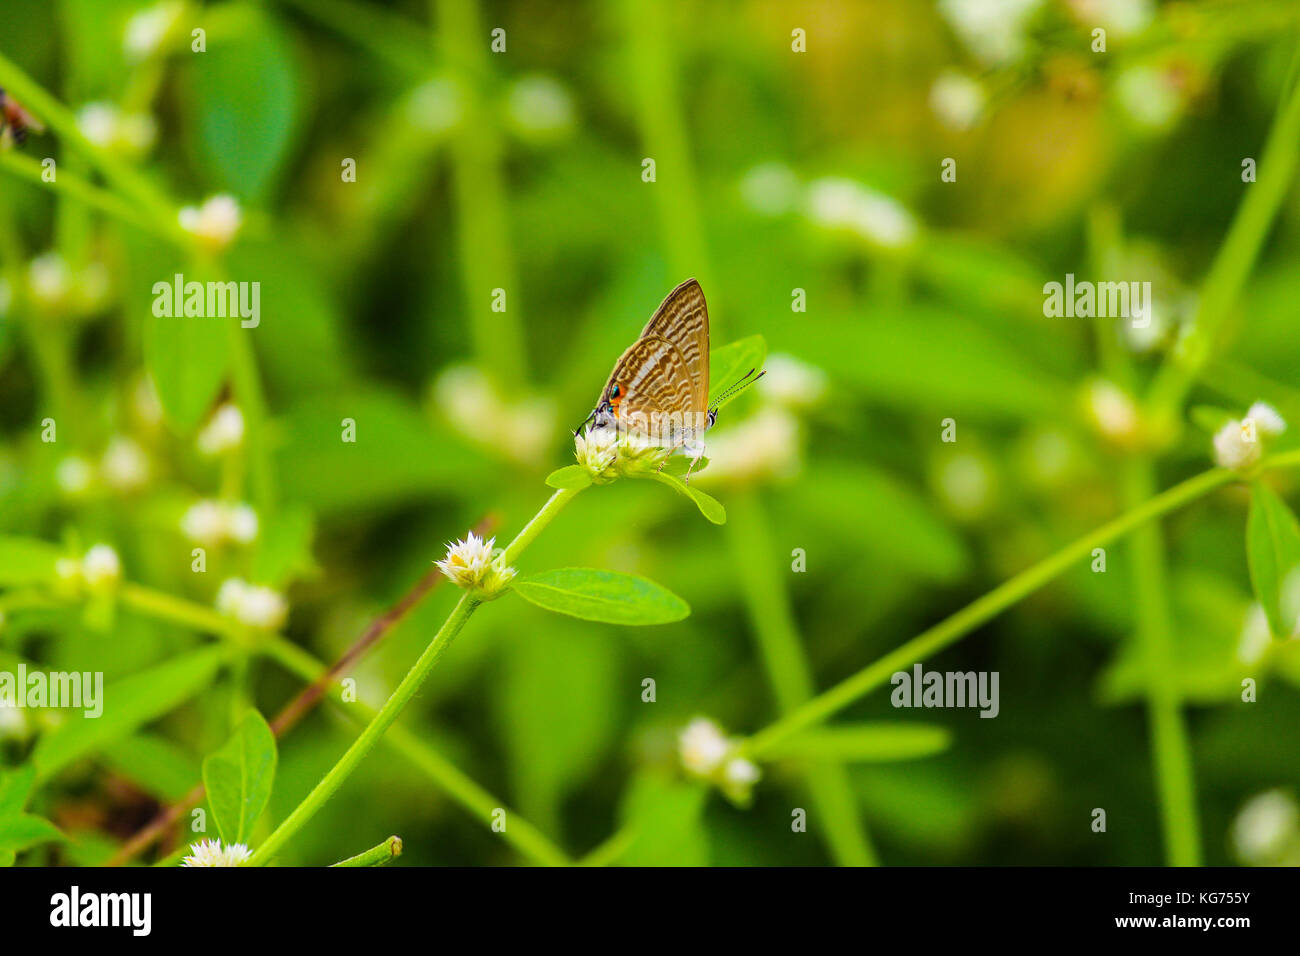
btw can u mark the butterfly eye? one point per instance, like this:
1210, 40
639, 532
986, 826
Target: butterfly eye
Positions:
614, 393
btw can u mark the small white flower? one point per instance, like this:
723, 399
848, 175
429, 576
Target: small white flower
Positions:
74, 475
993, 30
98, 123
1149, 98
216, 222
13, 722
847, 205
212, 522
146, 31
49, 280
1112, 412
470, 564
957, 100
540, 107
596, 449
124, 465
965, 484
224, 431
1265, 830
109, 128
435, 106
1267, 420
101, 568
771, 189
703, 746
1233, 449
241, 523
212, 853
252, 605
1121, 17
741, 772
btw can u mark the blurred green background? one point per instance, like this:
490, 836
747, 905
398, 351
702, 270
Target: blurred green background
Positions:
775, 171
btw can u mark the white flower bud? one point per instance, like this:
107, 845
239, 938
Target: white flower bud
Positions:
1233, 449
74, 476
224, 431
1267, 829
124, 465
957, 100
101, 568
216, 222
212, 853
1267, 420
252, 605
146, 31
470, 564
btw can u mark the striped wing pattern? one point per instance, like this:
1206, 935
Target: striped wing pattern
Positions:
667, 369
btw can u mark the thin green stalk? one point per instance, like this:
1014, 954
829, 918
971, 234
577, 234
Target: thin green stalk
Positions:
1236, 256
1170, 750
662, 124
985, 608
411, 683
395, 704
386, 852
482, 234
772, 620
462, 789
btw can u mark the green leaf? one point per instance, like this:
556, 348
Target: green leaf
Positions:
239, 778
1273, 551
677, 465
15, 788
571, 477
186, 357
245, 98
128, 704
284, 548
732, 361
25, 830
867, 743
709, 506
608, 596
26, 561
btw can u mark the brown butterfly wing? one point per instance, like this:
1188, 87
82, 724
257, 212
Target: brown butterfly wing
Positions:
683, 319
654, 385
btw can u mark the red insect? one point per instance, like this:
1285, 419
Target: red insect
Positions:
17, 119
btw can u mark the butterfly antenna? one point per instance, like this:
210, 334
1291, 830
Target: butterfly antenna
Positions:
583, 422
744, 383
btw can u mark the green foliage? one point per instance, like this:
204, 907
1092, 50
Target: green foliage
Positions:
607, 596
239, 776
1273, 550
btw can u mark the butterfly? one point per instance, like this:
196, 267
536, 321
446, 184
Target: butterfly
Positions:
659, 388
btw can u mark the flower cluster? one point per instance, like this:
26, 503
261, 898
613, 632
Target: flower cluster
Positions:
252, 605
98, 572
212, 522
472, 564
707, 753
607, 455
1239, 444
212, 853
215, 223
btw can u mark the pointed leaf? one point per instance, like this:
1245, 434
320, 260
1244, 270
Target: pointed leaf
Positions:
1273, 551
709, 506
608, 596
571, 477
239, 778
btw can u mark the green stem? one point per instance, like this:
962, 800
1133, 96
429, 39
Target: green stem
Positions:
1237, 255
337, 774
386, 852
1170, 751
985, 608
789, 674
481, 804
539, 521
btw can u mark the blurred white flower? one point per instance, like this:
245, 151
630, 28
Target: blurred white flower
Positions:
540, 107
1255, 638
124, 465
957, 100
1233, 449
1121, 17
964, 482
223, 432
740, 772
13, 722
101, 568
1148, 97
793, 383
771, 189
844, 204
212, 853
108, 127
993, 30
212, 522
252, 605
1112, 412
147, 29
470, 564
435, 106
520, 430
74, 476
49, 280
1267, 829
1267, 420
765, 445
216, 222
703, 746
